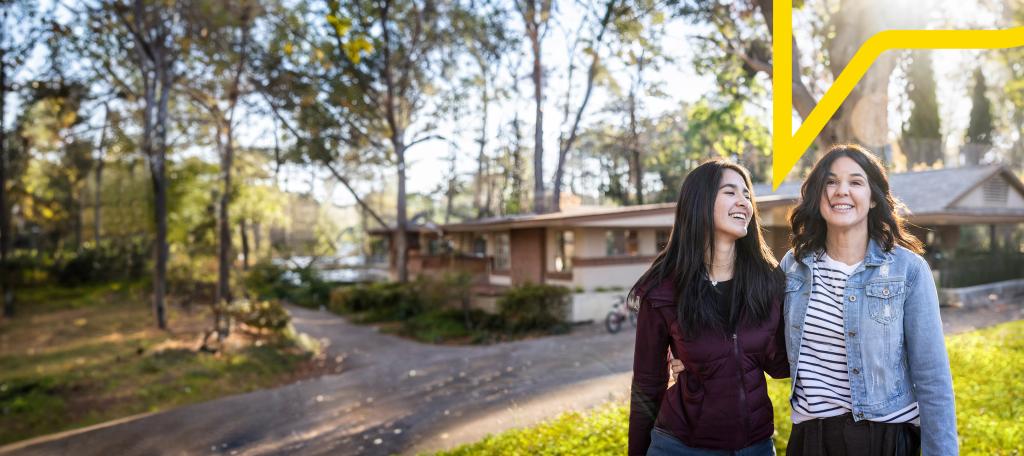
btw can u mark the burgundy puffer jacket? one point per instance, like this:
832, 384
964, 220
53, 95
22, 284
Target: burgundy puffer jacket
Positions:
721, 400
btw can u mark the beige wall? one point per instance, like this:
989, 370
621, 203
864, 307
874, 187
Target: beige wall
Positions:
976, 198
624, 275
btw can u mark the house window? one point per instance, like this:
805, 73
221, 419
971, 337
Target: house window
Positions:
660, 240
480, 247
565, 248
621, 242
502, 252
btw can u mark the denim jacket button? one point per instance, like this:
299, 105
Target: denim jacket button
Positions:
860, 415
853, 333
856, 371
853, 298
885, 292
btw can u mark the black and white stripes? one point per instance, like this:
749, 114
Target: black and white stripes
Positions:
822, 381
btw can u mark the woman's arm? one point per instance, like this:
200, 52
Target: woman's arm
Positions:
649, 377
777, 364
929, 363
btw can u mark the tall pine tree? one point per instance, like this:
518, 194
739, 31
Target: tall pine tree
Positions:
922, 137
979, 131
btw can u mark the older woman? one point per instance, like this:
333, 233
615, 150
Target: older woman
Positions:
868, 363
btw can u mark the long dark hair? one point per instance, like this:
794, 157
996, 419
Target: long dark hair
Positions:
755, 275
885, 225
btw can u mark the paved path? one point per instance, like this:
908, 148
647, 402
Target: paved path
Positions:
396, 396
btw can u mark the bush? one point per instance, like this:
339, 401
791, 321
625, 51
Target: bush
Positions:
299, 286
104, 262
381, 301
269, 316
534, 307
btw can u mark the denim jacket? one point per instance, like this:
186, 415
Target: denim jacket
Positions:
896, 353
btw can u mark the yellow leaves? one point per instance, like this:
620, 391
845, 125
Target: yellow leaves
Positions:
356, 48
341, 24
288, 48
658, 18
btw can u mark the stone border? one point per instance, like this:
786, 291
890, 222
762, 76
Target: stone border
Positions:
982, 295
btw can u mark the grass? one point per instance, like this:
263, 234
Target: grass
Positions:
72, 357
988, 379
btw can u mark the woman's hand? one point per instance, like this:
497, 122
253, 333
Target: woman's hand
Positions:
675, 367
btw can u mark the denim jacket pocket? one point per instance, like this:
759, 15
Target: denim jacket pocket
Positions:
884, 300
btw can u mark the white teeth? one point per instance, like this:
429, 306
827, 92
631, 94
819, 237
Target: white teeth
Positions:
842, 206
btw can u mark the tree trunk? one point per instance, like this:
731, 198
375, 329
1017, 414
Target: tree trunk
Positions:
257, 236
224, 224
483, 205
400, 218
6, 235
244, 234
533, 30
158, 169
98, 176
635, 165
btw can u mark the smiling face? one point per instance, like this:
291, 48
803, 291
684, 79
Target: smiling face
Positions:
733, 208
846, 200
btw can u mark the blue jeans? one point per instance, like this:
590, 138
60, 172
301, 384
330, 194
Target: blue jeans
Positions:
663, 444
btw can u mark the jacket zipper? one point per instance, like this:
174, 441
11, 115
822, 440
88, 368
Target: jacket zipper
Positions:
744, 412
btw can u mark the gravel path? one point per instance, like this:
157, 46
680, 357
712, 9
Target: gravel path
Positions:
396, 396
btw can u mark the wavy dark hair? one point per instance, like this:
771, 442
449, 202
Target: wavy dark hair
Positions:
756, 279
885, 225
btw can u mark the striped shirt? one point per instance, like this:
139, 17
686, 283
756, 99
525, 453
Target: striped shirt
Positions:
822, 381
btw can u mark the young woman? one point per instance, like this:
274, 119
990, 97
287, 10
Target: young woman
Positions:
869, 366
712, 297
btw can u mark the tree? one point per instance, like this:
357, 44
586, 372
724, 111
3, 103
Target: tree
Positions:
148, 35
381, 61
922, 136
19, 31
839, 29
487, 40
216, 85
979, 130
568, 138
536, 14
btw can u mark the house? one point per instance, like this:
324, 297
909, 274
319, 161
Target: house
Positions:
599, 252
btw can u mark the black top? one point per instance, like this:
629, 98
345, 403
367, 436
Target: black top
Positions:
724, 304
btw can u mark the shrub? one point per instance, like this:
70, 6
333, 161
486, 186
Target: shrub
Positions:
107, 261
534, 307
269, 316
300, 286
381, 301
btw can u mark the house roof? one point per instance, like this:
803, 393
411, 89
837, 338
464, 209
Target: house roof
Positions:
931, 196
935, 191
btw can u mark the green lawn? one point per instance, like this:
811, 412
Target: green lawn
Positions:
988, 378
77, 356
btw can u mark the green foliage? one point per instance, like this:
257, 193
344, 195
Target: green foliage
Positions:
380, 301
269, 316
300, 286
448, 325
979, 131
922, 135
111, 260
988, 381
530, 307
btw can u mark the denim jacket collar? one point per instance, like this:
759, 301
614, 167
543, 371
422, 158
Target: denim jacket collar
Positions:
875, 256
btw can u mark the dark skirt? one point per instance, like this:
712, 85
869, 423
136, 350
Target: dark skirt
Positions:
842, 436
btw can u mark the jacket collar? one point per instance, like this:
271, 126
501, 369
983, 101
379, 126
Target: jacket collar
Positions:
875, 256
